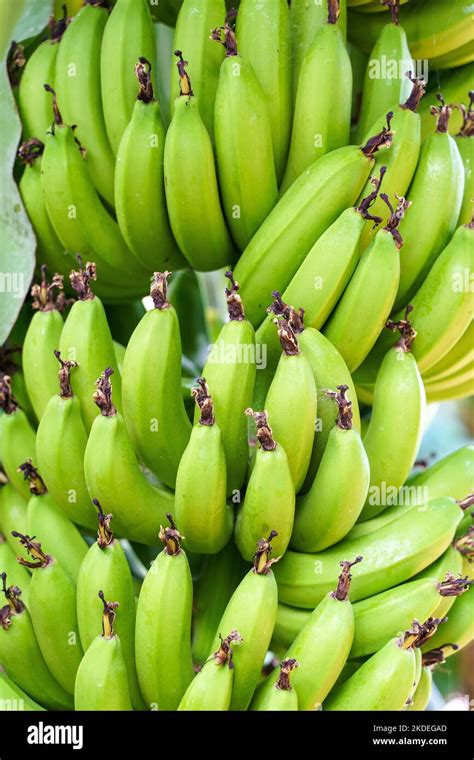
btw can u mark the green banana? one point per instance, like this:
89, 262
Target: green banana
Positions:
453, 475
270, 496
384, 86
453, 85
263, 32
461, 390
211, 689
17, 437
398, 391
465, 147
101, 682
18, 575
52, 605
41, 338
325, 78
460, 355
326, 513
192, 194
282, 696
86, 339
219, 577
45, 518
154, 410
291, 404
321, 647
252, 607
453, 635
139, 181
422, 694
129, 34
194, 22
14, 698
33, 102
13, 516
306, 19
21, 656
201, 482
293, 224
464, 375
354, 326
77, 84
440, 166
247, 179
105, 565
448, 566
392, 554
60, 445
163, 625
230, 372
113, 475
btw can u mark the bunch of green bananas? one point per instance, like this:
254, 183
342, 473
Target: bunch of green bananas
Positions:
276, 468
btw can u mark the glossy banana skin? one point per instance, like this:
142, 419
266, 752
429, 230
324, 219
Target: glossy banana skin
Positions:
10, 693
392, 554
326, 513
192, 194
466, 148
61, 441
321, 647
291, 404
39, 362
77, 84
211, 689
399, 393
380, 93
101, 682
18, 443
458, 358
440, 166
422, 694
230, 372
452, 475
33, 102
16, 573
61, 537
263, 34
359, 317
318, 127
13, 511
129, 34
191, 35
252, 610
384, 682
162, 639
292, 224
449, 562
459, 628
113, 476
247, 179
107, 568
269, 501
21, 657
279, 700
154, 411
86, 339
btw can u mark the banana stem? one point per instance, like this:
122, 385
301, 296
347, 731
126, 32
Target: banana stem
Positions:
108, 617
286, 668
35, 481
381, 140
262, 560
40, 559
171, 537
224, 655
103, 394
203, 399
287, 337
159, 290
105, 535
235, 307
344, 581
8, 402
344, 407
418, 90
407, 332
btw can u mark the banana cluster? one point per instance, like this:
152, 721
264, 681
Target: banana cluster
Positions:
279, 476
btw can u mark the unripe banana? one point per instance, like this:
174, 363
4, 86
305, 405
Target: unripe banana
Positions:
86, 339
192, 194
211, 689
13, 517
21, 656
321, 647
247, 179
34, 103
422, 694
466, 147
11, 694
457, 359
129, 34
449, 565
113, 475
252, 607
41, 338
163, 626
366, 304
139, 182
326, 73
381, 92
293, 224
453, 85
52, 605
270, 496
77, 84
230, 372
263, 32
101, 682
105, 565
194, 22
392, 554
154, 411
18, 575
453, 635
333, 503
17, 437
282, 696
